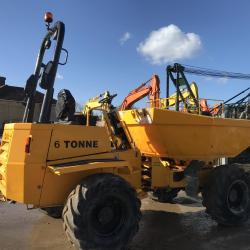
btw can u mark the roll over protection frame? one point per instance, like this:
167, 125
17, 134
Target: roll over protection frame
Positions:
56, 32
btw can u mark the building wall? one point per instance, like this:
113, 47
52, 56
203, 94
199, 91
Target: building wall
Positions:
12, 111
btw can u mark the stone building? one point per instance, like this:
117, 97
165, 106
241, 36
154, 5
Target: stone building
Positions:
12, 106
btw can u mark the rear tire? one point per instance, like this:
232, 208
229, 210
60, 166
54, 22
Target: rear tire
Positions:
166, 195
102, 212
226, 195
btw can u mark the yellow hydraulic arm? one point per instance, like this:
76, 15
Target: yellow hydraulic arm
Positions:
102, 102
186, 95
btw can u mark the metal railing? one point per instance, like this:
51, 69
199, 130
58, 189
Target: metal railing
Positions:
214, 106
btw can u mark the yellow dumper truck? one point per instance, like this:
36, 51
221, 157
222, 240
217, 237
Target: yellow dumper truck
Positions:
95, 176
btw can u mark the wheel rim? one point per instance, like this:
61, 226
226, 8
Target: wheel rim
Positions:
237, 198
108, 216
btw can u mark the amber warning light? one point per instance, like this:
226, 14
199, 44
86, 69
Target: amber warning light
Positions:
48, 17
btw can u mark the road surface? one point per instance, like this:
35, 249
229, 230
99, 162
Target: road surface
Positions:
182, 225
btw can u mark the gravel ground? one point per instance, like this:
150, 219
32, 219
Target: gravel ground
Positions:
181, 225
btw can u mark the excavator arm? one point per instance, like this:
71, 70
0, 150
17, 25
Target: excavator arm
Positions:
152, 90
101, 102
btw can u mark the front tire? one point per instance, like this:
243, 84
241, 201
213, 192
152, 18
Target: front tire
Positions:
226, 195
102, 212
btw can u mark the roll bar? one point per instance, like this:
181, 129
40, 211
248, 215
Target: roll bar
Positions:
48, 74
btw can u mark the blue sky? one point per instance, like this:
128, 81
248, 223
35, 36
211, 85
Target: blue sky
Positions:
101, 60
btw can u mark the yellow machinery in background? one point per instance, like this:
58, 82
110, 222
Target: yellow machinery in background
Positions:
94, 176
102, 102
171, 100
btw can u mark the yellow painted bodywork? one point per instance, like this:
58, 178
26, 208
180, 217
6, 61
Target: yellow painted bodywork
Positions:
62, 134
39, 178
185, 136
162, 175
60, 156
22, 174
88, 166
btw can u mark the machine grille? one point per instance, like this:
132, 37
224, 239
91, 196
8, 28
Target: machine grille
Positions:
4, 152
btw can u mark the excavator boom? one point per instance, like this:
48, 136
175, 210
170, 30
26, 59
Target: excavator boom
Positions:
152, 90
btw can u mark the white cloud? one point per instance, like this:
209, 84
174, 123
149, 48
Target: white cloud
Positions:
168, 44
59, 76
125, 37
221, 80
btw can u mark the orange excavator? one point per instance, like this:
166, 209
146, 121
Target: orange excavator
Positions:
151, 90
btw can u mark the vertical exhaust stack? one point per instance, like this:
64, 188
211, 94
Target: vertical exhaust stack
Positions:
46, 73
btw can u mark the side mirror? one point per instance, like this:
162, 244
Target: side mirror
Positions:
30, 83
46, 75
66, 58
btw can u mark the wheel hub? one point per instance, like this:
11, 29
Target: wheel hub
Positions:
233, 196
108, 216
237, 198
105, 215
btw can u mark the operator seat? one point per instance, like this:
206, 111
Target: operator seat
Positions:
65, 107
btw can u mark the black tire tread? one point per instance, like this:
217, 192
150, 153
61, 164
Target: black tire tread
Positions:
73, 221
214, 194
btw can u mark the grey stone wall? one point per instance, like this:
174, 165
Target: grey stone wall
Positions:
12, 111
